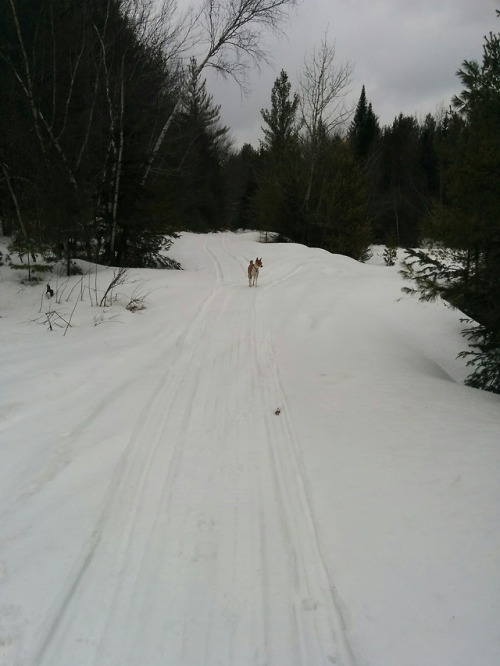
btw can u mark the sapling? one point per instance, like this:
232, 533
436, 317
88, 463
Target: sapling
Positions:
120, 276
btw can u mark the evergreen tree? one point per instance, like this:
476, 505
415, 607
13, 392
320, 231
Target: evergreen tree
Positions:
364, 128
341, 206
276, 199
240, 173
83, 86
281, 127
201, 147
466, 220
401, 188
429, 157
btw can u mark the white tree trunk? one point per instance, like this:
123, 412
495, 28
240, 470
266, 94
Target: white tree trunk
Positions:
118, 166
233, 33
14, 200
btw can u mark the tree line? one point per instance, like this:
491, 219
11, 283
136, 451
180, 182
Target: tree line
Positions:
433, 183
346, 186
110, 143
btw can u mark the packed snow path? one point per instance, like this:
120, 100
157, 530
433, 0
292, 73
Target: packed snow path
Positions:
156, 510
206, 549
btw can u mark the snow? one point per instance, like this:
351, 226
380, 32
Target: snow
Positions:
155, 510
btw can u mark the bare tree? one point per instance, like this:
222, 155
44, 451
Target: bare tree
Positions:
230, 34
323, 89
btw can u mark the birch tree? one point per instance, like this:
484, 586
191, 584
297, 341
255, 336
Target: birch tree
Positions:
324, 85
230, 37
85, 83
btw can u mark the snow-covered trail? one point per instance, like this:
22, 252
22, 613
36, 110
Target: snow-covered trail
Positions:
155, 510
205, 549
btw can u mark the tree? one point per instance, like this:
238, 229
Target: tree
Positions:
341, 219
429, 137
401, 202
84, 83
466, 219
364, 128
230, 31
323, 88
200, 150
281, 119
276, 197
240, 171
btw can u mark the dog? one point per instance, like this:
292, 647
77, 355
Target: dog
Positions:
49, 292
253, 272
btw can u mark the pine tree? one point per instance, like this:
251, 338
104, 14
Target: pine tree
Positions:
240, 171
281, 120
364, 128
340, 207
401, 199
202, 146
276, 199
466, 220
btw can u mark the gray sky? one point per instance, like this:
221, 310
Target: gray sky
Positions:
405, 52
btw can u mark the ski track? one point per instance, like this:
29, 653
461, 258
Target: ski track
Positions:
210, 489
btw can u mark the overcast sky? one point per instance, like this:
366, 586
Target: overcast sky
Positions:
405, 52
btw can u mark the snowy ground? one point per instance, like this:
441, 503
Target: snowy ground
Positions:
155, 510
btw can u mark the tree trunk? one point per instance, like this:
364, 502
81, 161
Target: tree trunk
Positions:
118, 166
19, 215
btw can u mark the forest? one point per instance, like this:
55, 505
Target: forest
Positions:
110, 144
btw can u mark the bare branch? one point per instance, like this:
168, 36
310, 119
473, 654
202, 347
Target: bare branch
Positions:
324, 87
229, 36
71, 88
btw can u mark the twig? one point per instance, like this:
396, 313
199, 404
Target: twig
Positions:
70, 317
119, 277
74, 286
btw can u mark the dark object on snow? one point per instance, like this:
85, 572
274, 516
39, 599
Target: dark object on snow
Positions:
49, 291
278, 412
